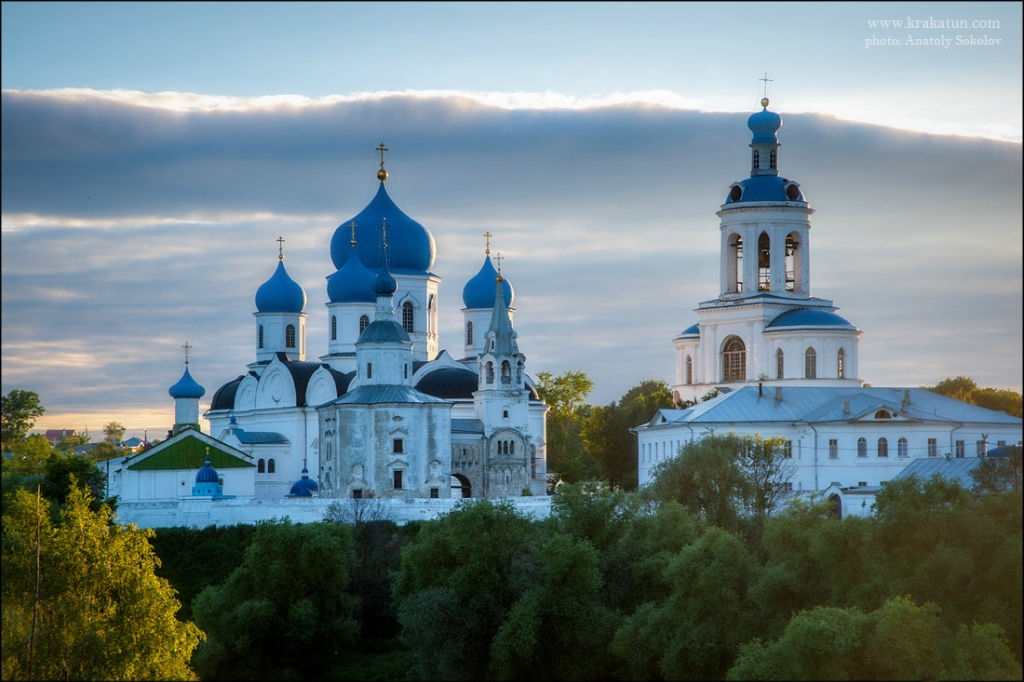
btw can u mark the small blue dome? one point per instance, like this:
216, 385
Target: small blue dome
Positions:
207, 474
353, 283
692, 330
810, 317
186, 387
384, 284
280, 293
765, 188
410, 245
304, 487
384, 331
764, 124
479, 291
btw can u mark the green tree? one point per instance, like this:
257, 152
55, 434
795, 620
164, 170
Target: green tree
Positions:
999, 474
102, 613
606, 432
460, 576
65, 472
113, 433
285, 612
29, 456
964, 389
18, 412
565, 395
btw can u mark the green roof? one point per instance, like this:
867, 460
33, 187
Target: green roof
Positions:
190, 453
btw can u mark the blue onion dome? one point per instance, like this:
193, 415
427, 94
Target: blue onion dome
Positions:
304, 487
479, 291
764, 124
207, 474
186, 387
280, 293
410, 245
811, 317
384, 284
353, 283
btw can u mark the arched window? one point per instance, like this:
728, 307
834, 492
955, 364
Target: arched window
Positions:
334, 327
756, 160
261, 467
883, 414
734, 360
780, 364
289, 336
862, 447
469, 333
490, 372
364, 322
369, 370
506, 372
259, 336
790, 262
431, 308
810, 364
901, 448
511, 447
689, 370
270, 465
840, 361
407, 316
883, 447
764, 262
735, 264
504, 414
773, 159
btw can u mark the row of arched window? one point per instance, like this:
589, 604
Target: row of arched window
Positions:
289, 336
506, 447
364, 322
506, 372
734, 362
266, 467
792, 258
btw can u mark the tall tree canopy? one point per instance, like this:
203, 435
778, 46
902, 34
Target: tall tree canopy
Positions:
103, 614
18, 412
565, 395
964, 389
113, 432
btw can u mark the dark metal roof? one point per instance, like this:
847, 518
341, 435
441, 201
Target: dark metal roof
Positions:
467, 426
452, 383
224, 398
258, 437
385, 393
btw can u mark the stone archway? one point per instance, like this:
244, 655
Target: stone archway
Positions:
461, 487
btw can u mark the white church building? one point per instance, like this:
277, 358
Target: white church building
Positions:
785, 364
383, 413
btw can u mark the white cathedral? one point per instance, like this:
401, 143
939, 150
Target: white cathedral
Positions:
384, 413
785, 364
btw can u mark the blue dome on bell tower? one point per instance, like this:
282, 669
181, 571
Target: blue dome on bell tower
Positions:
280, 293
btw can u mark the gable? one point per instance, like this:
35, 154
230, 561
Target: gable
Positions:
188, 453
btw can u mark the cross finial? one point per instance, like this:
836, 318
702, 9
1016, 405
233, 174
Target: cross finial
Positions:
382, 174
187, 348
353, 226
384, 229
766, 80
280, 248
498, 258
487, 249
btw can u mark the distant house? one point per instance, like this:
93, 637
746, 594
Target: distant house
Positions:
55, 436
133, 444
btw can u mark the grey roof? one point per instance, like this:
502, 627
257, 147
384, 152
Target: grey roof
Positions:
450, 382
258, 437
467, 426
820, 405
385, 393
957, 470
383, 331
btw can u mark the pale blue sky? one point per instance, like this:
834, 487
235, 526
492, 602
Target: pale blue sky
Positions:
133, 220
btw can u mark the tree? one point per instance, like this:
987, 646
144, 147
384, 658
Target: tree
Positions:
606, 432
565, 395
18, 412
285, 612
964, 389
29, 456
66, 472
999, 474
102, 612
460, 576
113, 433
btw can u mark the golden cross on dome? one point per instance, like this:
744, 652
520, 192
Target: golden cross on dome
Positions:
353, 226
382, 149
280, 248
187, 348
384, 228
487, 249
766, 80
498, 258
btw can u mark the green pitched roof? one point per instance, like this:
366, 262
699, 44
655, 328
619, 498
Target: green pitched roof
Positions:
189, 453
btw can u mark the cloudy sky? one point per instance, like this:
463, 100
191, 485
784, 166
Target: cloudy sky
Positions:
153, 153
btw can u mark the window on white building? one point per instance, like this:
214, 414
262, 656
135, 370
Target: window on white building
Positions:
840, 364
883, 447
289, 336
862, 447
933, 447
901, 448
787, 450
734, 360
810, 364
959, 448
780, 364
833, 448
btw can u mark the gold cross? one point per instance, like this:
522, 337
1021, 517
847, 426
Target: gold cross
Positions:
187, 349
384, 228
280, 248
382, 149
766, 80
498, 258
353, 226
487, 235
